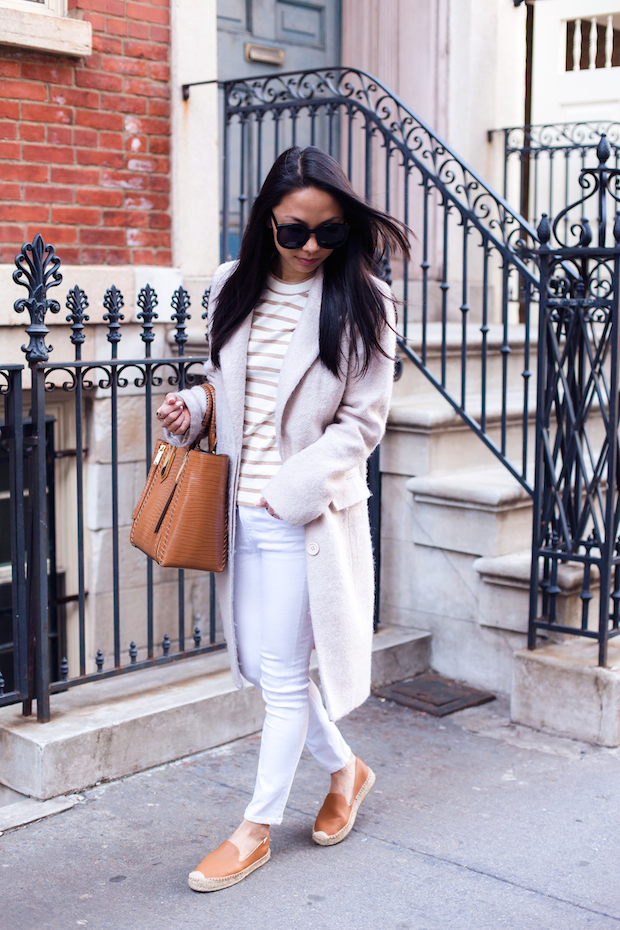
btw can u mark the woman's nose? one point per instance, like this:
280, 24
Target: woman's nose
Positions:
312, 245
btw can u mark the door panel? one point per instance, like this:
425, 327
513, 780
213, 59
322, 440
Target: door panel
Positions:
300, 24
308, 33
233, 15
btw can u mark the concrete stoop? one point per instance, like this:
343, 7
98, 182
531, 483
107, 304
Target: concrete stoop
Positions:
108, 729
559, 687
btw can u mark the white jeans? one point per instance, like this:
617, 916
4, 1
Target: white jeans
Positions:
274, 636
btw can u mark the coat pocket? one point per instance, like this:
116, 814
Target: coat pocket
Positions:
351, 490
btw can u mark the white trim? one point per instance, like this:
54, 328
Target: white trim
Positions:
43, 29
55, 7
195, 154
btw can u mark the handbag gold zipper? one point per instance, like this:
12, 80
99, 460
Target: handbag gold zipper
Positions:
167, 462
160, 452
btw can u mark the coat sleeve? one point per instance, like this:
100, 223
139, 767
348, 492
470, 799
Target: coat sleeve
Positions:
309, 480
195, 398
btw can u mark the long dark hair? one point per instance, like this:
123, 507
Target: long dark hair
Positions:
351, 298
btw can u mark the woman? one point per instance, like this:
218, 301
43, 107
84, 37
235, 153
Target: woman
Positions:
302, 358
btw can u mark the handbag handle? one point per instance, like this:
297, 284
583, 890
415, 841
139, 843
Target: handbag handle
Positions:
208, 423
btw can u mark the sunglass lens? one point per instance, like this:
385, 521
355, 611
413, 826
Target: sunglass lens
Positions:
292, 236
330, 237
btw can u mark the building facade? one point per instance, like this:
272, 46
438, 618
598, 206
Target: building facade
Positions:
104, 156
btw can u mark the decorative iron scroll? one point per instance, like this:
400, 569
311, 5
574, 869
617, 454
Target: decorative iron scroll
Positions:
560, 136
417, 143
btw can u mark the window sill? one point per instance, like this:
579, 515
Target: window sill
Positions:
47, 33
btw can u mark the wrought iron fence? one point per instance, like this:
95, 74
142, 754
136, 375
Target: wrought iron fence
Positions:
542, 165
576, 500
112, 401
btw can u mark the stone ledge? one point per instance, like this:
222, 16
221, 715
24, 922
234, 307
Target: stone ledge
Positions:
478, 487
560, 688
120, 726
421, 412
46, 32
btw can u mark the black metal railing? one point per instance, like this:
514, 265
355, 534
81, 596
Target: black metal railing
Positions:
123, 637
467, 290
576, 499
542, 164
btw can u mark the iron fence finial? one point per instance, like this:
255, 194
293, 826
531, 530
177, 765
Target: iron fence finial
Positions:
113, 302
147, 301
38, 265
544, 230
180, 304
603, 149
77, 303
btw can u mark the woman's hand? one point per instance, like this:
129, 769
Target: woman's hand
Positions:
174, 415
263, 503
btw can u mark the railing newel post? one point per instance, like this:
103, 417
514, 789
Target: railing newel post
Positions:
37, 271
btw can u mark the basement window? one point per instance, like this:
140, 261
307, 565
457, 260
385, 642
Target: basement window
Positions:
43, 25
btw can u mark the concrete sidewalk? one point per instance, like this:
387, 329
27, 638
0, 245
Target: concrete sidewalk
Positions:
474, 824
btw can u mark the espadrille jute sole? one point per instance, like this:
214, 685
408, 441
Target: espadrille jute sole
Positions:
323, 839
197, 881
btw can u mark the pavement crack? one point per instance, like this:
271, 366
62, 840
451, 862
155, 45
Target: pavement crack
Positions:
499, 878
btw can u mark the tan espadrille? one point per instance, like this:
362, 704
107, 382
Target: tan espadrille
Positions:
336, 817
223, 867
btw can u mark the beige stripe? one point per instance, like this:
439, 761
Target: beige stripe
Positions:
258, 426
286, 333
254, 478
262, 314
287, 294
258, 396
255, 354
279, 339
265, 419
259, 381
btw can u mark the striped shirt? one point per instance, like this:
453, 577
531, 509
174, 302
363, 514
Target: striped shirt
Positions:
273, 324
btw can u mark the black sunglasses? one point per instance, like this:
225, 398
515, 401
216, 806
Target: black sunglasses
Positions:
295, 235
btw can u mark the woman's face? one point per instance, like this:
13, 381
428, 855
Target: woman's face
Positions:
312, 208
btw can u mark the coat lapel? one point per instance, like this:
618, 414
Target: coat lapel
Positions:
233, 361
303, 348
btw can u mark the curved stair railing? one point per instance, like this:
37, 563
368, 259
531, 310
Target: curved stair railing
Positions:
467, 295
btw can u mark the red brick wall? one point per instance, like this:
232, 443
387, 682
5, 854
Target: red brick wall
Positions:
85, 143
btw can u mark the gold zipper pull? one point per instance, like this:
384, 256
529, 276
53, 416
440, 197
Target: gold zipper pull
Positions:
160, 452
167, 462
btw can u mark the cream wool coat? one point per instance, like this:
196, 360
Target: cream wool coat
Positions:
326, 428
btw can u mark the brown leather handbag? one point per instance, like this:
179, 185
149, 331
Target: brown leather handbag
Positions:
181, 519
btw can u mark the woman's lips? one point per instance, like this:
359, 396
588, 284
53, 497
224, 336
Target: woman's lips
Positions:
307, 261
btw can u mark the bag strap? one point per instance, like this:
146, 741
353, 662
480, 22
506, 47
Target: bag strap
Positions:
208, 423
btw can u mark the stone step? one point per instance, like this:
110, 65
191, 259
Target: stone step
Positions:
560, 687
105, 730
413, 381
478, 511
434, 529
504, 593
425, 433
